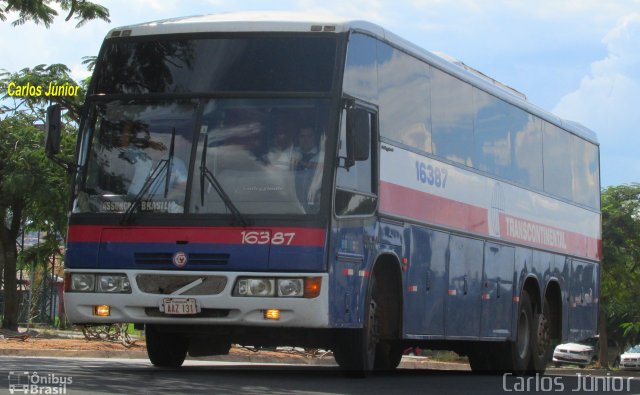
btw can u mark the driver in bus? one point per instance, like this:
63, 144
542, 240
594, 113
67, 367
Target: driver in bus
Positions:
149, 153
307, 158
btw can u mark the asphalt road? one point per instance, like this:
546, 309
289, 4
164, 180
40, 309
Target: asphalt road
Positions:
120, 376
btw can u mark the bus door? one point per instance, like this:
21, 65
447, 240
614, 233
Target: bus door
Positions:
355, 229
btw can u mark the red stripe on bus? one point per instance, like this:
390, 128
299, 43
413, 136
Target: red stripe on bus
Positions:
307, 237
409, 203
422, 206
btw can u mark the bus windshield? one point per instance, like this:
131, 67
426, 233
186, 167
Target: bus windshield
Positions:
266, 155
207, 125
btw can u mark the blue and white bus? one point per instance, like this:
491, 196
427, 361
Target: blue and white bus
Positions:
283, 179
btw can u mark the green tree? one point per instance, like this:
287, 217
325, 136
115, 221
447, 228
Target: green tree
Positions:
33, 190
620, 274
40, 11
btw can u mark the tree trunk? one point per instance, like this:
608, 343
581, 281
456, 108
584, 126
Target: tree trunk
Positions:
602, 341
10, 318
9, 256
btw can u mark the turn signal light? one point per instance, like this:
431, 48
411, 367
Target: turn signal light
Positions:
312, 286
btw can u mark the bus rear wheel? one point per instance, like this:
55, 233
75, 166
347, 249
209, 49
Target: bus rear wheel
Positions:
542, 338
165, 349
517, 354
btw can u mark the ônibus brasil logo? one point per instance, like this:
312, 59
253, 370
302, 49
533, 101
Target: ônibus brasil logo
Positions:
34, 383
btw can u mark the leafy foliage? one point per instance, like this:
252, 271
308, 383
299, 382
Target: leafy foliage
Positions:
33, 190
40, 11
620, 274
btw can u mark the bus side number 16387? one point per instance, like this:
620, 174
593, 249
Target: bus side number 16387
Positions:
432, 175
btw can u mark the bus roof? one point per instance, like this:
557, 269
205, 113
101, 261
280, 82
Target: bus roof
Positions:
270, 21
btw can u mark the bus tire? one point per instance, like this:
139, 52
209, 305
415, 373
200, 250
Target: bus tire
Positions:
167, 350
355, 351
517, 354
388, 355
541, 339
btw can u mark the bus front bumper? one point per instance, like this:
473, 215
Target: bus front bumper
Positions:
215, 303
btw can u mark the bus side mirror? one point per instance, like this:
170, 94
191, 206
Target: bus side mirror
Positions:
53, 128
358, 135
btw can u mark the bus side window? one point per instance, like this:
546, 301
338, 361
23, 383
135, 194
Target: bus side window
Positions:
355, 187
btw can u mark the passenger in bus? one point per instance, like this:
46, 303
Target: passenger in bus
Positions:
307, 149
306, 165
283, 155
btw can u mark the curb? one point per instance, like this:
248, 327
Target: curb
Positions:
17, 352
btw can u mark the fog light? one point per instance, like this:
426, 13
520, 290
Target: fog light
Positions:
272, 314
102, 311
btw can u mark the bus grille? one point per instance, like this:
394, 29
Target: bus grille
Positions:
166, 258
165, 284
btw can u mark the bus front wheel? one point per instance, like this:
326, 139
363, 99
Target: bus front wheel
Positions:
355, 350
167, 350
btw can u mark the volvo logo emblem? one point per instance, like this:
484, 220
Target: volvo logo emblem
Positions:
180, 259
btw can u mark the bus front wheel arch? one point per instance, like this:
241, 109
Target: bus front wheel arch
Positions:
377, 345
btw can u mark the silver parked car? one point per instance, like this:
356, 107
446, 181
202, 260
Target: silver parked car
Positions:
583, 353
631, 358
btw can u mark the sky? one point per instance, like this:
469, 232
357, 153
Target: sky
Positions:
579, 59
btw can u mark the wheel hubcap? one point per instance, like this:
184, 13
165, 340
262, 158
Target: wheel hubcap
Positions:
544, 336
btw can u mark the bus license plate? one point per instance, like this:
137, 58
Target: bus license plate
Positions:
179, 306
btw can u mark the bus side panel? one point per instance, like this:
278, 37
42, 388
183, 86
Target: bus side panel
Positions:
426, 282
347, 260
497, 291
462, 317
583, 310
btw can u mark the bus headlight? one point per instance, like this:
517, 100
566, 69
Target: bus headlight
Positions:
290, 287
113, 283
306, 287
255, 287
101, 283
83, 282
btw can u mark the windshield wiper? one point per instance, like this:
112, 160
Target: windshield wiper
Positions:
155, 173
170, 164
162, 165
206, 173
